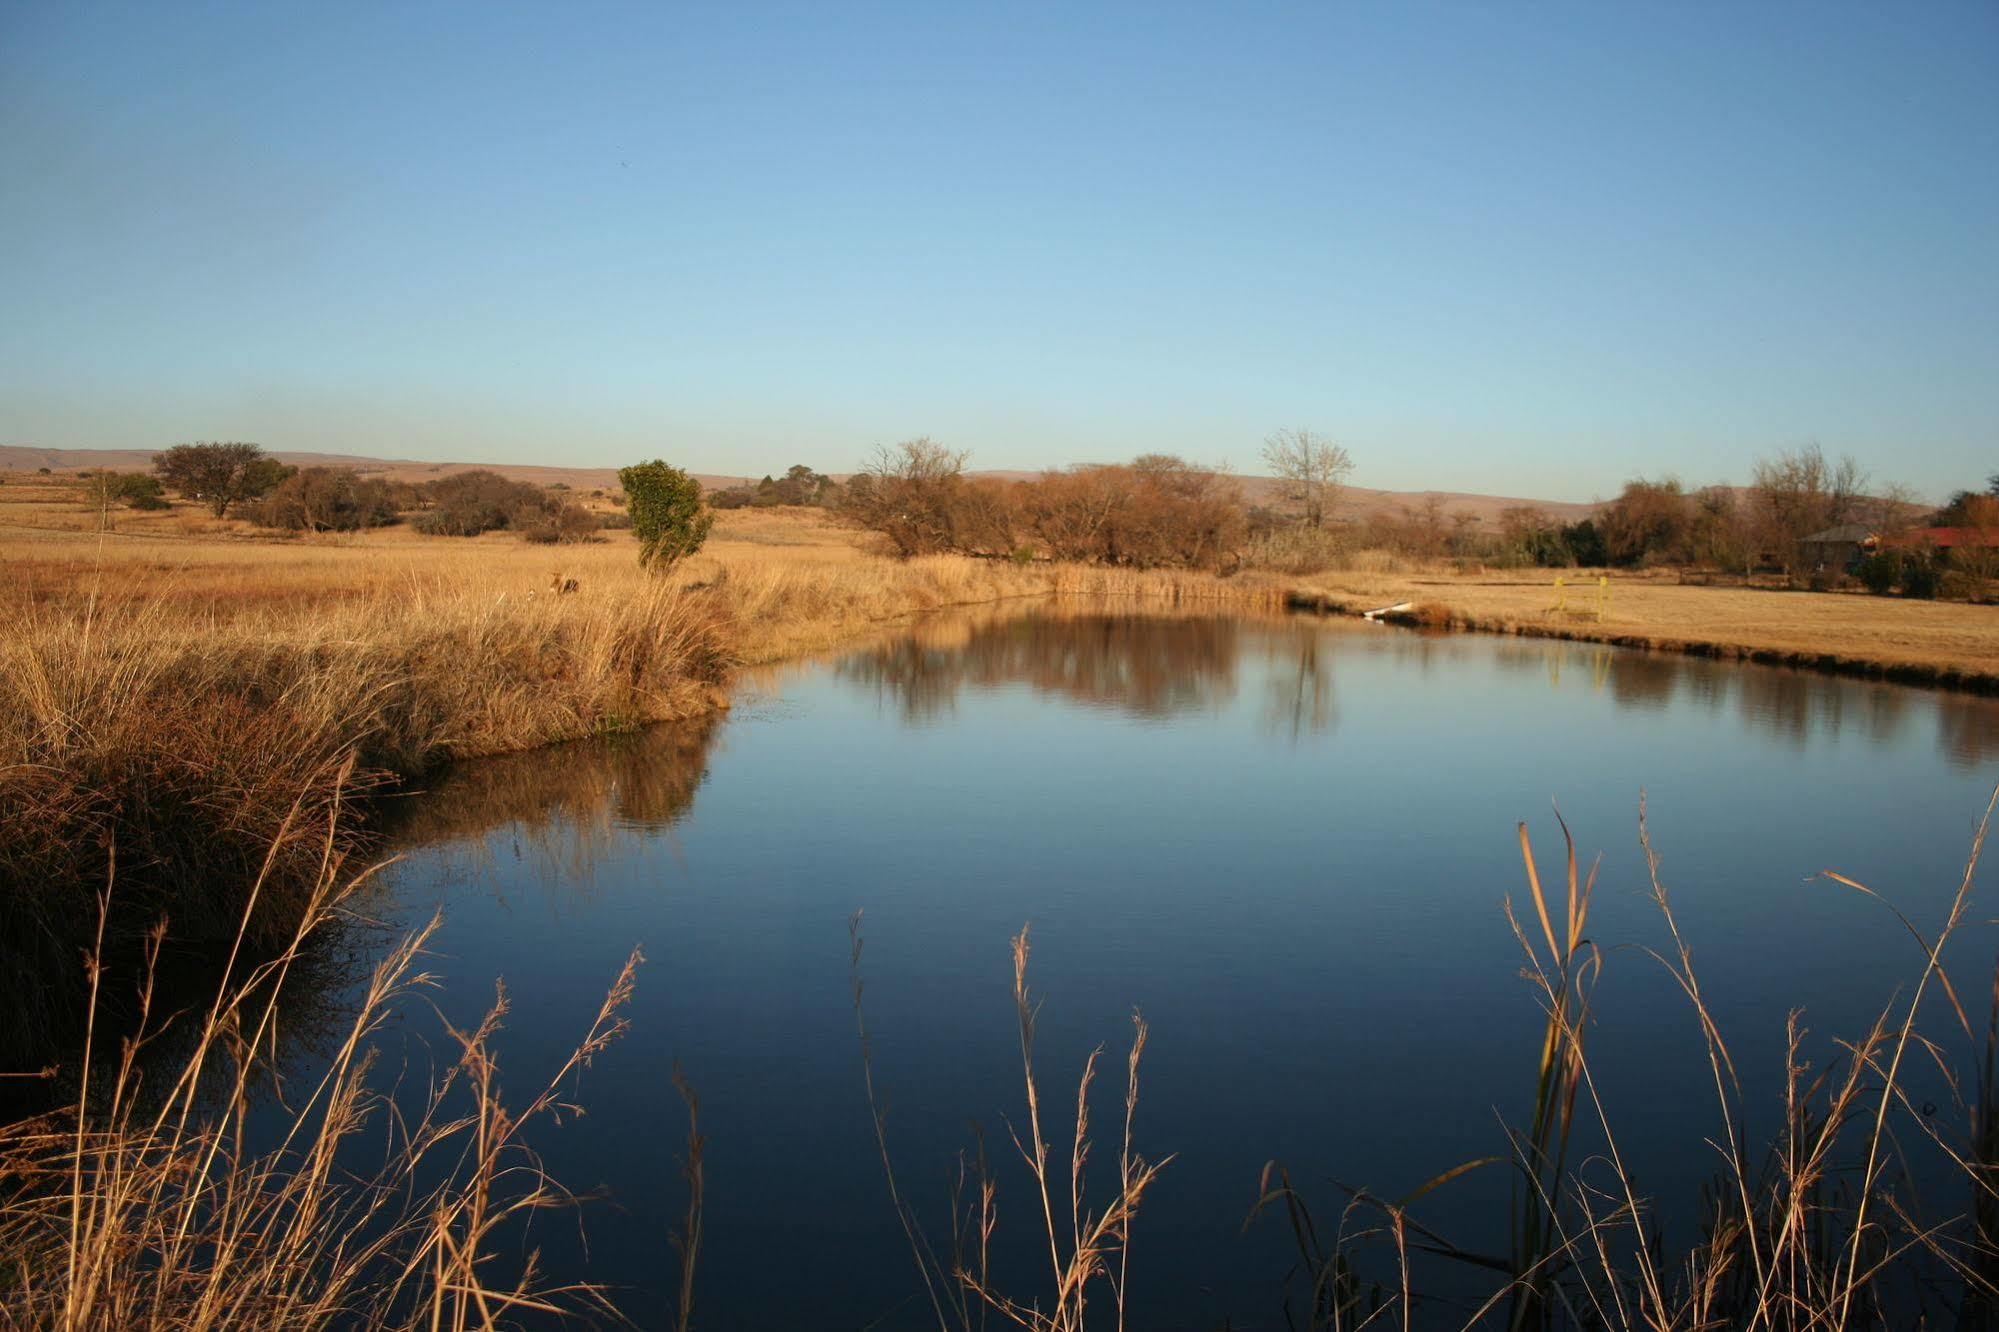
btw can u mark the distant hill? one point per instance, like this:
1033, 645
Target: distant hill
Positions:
1355, 501
26, 458
1361, 502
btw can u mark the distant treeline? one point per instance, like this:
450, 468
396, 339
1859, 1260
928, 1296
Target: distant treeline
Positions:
1157, 511
243, 479
1798, 507
1161, 511
799, 487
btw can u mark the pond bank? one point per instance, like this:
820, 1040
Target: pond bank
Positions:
1930, 645
199, 733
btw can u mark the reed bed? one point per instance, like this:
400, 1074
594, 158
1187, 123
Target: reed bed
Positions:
193, 754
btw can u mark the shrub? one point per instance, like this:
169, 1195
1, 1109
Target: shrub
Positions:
135, 489
1651, 522
469, 503
666, 512
569, 523
327, 499
1957, 585
909, 494
1585, 543
1880, 572
1920, 574
1157, 512
144, 492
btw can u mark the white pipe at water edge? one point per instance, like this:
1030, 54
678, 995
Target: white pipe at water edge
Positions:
1386, 610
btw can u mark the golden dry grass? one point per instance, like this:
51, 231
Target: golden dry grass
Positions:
1947, 642
162, 1207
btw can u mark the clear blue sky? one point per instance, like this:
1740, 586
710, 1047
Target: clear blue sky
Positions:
1527, 248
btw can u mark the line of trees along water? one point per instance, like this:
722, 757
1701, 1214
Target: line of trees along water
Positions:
1162, 511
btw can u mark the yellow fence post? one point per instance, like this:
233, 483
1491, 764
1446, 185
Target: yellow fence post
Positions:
1599, 604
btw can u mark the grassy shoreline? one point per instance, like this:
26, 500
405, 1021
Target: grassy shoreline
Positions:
211, 722
1928, 644
197, 709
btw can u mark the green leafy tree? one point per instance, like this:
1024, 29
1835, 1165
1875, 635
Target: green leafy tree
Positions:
665, 504
219, 475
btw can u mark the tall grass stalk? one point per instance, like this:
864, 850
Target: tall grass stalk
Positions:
1088, 1242
177, 1207
1826, 1230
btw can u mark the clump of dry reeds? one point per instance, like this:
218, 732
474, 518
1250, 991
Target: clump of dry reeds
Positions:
1827, 1229
1088, 1240
163, 1207
199, 753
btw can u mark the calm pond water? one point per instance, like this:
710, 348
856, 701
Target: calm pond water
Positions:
1286, 841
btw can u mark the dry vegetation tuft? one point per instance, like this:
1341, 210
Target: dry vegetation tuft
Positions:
161, 1207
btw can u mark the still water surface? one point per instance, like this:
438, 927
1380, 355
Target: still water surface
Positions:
1286, 841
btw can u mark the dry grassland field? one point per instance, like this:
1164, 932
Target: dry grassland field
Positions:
801, 579
1935, 642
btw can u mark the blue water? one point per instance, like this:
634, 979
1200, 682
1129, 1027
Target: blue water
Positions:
1287, 842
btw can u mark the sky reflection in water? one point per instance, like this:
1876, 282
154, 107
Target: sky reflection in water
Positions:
1287, 841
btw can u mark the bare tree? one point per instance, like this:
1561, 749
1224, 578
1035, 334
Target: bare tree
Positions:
1893, 506
1312, 468
1798, 493
908, 493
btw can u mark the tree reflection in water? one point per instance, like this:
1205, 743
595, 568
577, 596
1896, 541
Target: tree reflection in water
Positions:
1301, 702
1156, 665
1144, 665
564, 805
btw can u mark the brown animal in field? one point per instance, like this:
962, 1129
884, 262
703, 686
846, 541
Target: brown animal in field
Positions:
561, 586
